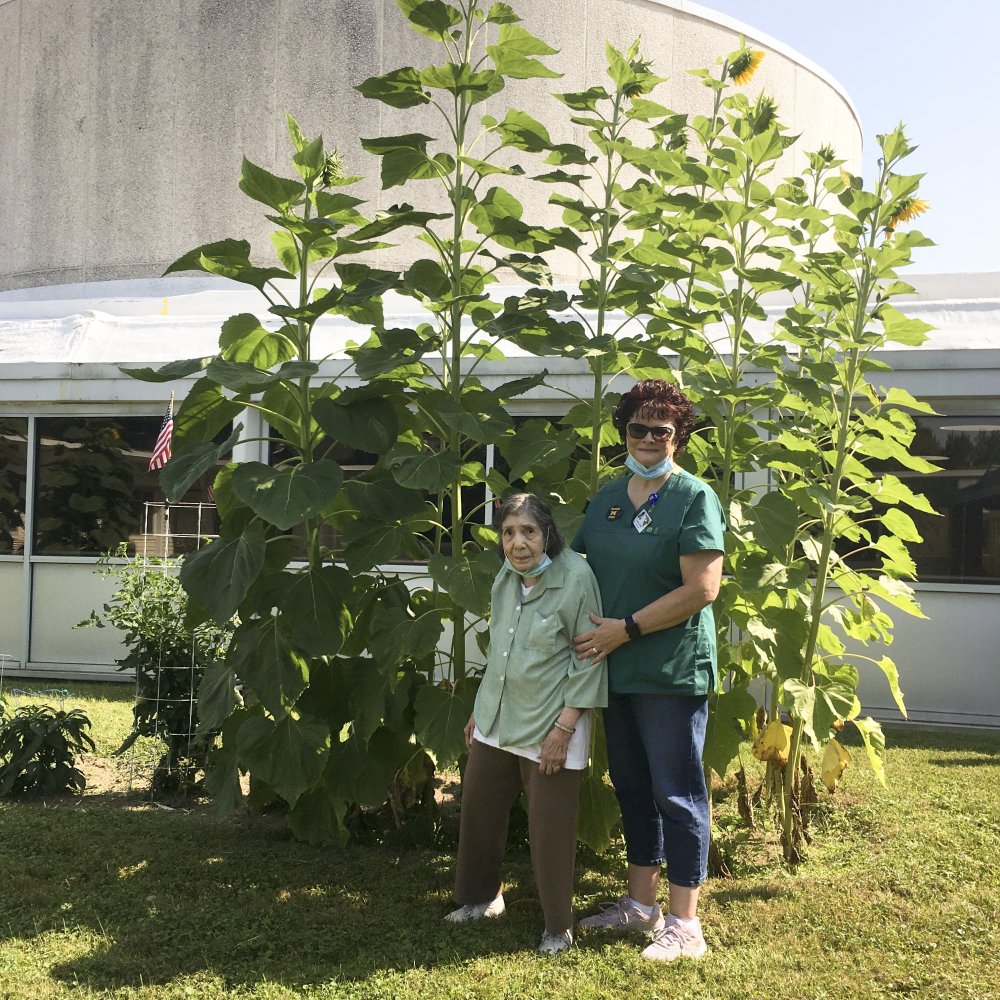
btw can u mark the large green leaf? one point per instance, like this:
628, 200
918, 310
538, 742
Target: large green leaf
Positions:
423, 470
888, 667
432, 18
441, 716
468, 581
317, 609
513, 51
222, 773
287, 497
218, 576
289, 754
536, 445
204, 412
829, 699
397, 636
185, 468
194, 259
230, 259
216, 696
599, 811
478, 415
318, 814
775, 520
169, 372
372, 545
359, 419
725, 728
874, 740
278, 193
457, 78
264, 658
388, 351
399, 89
243, 338
366, 767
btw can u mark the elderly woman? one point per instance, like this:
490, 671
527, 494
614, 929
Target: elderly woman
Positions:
530, 728
654, 540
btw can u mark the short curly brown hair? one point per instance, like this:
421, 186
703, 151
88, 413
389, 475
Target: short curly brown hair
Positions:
663, 401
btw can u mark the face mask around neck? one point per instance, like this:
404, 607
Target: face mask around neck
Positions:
653, 472
537, 570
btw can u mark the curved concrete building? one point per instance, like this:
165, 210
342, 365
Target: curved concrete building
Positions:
122, 123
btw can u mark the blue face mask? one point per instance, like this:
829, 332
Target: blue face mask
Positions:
537, 570
653, 472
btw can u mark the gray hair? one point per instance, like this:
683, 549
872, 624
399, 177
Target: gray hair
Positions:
538, 510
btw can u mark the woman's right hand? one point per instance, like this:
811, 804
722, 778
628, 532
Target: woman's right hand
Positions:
469, 726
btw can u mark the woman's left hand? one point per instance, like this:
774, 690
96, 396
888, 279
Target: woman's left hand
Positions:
607, 635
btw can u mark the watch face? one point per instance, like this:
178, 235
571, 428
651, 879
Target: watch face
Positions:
632, 630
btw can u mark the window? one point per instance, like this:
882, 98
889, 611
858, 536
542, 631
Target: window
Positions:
93, 483
13, 480
963, 544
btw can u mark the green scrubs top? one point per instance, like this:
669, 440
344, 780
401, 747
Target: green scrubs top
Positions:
634, 569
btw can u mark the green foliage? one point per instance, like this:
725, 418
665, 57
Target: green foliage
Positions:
38, 750
167, 655
683, 226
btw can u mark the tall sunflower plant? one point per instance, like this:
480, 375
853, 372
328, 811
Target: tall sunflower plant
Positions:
294, 697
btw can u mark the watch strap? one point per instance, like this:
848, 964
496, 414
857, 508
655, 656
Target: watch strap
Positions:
632, 629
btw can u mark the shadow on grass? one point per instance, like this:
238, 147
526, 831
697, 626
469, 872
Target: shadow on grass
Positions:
749, 893
992, 761
159, 896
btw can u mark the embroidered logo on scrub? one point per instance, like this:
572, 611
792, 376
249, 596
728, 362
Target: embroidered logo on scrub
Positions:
614, 513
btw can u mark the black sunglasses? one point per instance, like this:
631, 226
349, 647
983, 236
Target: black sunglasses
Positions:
639, 431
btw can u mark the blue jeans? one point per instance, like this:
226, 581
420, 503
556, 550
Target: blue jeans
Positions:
655, 744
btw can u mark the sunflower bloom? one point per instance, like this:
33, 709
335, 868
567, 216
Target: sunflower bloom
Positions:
909, 209
743, 67
845, 177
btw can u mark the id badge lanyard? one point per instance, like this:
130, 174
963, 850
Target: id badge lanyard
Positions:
644, 518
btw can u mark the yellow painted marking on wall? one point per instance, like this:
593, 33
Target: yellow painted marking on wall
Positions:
163, 310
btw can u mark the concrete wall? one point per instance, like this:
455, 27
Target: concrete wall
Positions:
123, 122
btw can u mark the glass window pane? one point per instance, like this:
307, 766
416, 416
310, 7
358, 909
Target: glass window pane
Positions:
93, 484
963, 544
13, 480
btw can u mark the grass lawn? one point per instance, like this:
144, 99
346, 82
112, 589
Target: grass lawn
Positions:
110, 895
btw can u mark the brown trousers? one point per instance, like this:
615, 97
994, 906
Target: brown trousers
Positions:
493, 780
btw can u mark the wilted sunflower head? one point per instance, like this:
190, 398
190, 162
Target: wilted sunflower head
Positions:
744, 64
907, 210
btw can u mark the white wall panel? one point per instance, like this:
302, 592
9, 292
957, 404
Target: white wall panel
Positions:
12, 617
64, 594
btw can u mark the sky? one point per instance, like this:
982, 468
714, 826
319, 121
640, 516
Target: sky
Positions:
933, 66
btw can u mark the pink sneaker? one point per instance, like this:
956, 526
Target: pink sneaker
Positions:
674, 941
622, 917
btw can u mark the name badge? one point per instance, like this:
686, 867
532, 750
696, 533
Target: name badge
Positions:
642, 521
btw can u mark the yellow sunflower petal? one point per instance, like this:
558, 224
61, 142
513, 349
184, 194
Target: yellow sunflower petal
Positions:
743, 67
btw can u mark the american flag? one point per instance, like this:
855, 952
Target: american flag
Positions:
161, 450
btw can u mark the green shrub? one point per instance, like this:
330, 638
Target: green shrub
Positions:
168, 657
38, 749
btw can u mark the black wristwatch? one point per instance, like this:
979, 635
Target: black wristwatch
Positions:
632, 629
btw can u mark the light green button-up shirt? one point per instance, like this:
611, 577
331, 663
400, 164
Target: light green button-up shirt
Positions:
532, 673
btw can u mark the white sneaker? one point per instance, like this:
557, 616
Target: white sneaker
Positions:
675, 941
478, 911
621, 917
553, 944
